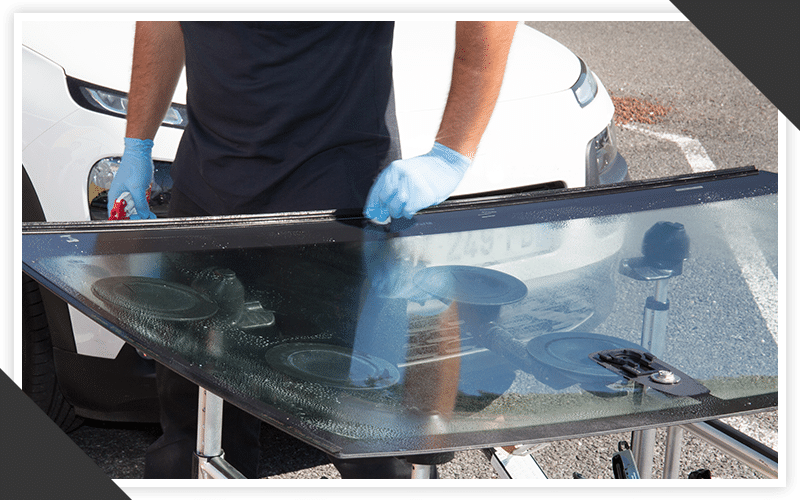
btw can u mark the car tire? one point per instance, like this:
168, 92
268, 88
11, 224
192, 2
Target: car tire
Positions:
39, 380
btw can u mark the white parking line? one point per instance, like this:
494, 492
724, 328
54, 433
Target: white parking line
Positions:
760, 279
694, 151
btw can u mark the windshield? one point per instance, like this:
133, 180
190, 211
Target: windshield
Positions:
472, 326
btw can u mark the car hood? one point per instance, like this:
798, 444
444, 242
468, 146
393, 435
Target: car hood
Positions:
537, 64
100, 52
93, 51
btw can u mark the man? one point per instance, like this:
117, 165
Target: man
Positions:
290, 116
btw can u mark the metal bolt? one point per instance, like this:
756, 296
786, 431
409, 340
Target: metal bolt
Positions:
665, 377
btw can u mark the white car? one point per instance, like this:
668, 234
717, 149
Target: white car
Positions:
552, 128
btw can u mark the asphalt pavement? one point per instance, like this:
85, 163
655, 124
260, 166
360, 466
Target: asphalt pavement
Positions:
707, 100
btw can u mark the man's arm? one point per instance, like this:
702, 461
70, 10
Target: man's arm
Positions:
158, 59
410, 185
478, 68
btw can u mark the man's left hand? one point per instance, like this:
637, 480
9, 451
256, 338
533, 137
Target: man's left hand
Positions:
407, 186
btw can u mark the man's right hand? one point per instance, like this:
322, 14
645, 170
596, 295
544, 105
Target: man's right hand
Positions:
135, 174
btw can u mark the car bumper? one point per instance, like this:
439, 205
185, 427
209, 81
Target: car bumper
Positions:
617, 171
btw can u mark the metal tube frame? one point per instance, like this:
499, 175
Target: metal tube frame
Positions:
725, 438
209, 457
672, 452
733, 443
643, 446
654, 327
421, 471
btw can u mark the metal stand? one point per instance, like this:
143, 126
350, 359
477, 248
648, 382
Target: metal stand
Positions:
515, 464
665, 246
672, 453
424, 466
422, 471
209, 459
738, 445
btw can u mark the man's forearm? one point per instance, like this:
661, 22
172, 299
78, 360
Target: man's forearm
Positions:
478, 68
158, 59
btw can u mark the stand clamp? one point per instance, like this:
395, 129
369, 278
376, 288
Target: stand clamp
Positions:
645, 369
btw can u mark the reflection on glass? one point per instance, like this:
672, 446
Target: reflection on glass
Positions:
439, 341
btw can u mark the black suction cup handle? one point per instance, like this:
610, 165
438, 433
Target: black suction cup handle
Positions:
665, 245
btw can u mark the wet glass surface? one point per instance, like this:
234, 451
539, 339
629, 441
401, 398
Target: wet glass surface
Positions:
471, 327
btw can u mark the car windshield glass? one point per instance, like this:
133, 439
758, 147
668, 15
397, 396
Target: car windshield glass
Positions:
476, 324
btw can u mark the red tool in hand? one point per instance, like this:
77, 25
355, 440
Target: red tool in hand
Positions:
123, 206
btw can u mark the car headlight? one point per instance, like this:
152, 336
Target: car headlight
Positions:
102, 174
601, 153
115, 103
585, 88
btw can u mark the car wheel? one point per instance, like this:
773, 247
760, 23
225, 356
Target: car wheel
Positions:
39, 379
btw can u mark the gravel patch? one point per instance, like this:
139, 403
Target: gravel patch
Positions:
634, 109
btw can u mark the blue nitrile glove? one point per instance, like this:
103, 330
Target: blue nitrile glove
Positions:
407, 186
135, 174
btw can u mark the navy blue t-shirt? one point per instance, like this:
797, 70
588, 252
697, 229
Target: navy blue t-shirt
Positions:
285, 116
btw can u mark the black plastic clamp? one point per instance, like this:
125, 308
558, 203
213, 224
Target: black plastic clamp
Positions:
644, 368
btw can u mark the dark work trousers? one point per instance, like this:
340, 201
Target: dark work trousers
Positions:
170, 456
